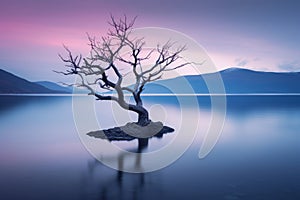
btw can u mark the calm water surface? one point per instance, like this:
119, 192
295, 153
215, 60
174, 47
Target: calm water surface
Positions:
256, 157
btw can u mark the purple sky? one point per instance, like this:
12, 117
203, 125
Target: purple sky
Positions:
256, 34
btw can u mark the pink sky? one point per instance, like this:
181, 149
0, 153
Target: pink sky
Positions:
261, 35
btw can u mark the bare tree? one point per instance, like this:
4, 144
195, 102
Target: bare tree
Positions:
106, 59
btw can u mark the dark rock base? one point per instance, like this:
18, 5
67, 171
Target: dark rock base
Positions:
118, 133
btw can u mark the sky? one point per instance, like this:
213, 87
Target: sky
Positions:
261, 35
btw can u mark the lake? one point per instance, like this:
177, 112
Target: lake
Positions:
256, 155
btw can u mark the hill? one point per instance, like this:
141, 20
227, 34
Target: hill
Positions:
12, 84
53, 86
236, 81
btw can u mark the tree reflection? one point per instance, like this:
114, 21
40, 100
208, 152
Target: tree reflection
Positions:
119, 185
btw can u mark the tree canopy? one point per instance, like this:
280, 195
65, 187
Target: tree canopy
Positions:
112, 55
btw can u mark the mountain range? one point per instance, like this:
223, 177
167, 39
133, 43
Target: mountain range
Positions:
236, 81
12, 84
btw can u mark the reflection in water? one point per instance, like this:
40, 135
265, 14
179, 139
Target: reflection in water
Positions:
237, 103
257, 156
10, 103
115, 184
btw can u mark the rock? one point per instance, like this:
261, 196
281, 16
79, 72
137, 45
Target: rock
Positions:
132, 131
142, 131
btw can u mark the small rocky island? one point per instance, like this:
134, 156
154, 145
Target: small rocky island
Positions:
132, 131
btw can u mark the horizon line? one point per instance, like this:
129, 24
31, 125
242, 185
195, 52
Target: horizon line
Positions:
156, 94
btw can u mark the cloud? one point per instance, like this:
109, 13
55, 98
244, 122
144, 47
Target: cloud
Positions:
241, 62
290, 66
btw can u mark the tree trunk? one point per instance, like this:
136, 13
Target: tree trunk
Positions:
143, 117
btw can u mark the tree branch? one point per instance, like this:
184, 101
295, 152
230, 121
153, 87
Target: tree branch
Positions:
102, 63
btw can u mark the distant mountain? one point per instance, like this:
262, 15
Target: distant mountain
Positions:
54, 86
12, 84
236, 80
247, 81
64, 89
